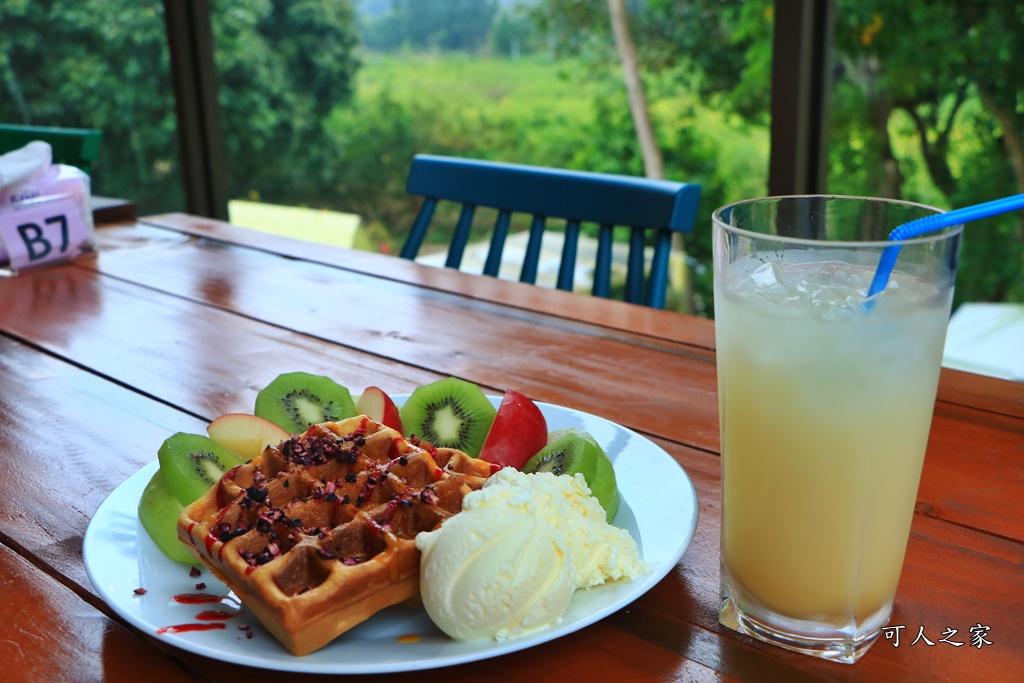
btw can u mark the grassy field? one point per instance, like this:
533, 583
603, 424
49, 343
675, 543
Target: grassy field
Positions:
540, 111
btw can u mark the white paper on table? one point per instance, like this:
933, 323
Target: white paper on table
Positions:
988, 339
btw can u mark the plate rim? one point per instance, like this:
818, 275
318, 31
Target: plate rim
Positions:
643, 583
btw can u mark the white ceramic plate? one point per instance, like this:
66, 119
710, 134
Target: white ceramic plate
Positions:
659, 508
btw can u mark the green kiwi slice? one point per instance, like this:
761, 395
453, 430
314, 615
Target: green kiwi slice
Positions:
296, 400
158, 512
191, 464
449, 413
604, 487
600, 479
571, 454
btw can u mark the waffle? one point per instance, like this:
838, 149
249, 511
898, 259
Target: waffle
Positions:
316, 535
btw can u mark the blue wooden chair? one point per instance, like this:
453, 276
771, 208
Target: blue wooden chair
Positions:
574, 196
78, 147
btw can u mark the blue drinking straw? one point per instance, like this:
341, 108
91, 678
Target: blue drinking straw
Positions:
934, 222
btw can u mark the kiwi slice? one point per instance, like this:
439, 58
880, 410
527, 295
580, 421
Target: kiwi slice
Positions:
604, 487
449, 413
571, 454
600, 475
191, 464
158, 512
296, 400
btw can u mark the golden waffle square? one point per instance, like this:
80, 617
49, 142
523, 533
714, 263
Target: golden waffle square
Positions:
318, 534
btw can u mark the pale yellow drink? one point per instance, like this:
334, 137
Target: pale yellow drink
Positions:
825, 410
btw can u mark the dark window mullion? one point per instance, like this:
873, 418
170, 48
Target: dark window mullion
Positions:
203, 167
801, 86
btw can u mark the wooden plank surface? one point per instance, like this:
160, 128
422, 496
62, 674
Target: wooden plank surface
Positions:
50, 634
601, 312
69, 438
546, 357
958, 387
162, 332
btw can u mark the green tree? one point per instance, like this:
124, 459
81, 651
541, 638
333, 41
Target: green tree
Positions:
283, 65
437, 24
513, 33
935, 63
67, 63
928, 61
104, 64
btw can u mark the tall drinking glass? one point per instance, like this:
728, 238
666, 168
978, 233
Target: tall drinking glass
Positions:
825, 404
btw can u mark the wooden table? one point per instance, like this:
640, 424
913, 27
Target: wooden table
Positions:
178, 319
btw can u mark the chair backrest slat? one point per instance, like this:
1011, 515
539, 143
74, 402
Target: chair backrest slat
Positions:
567, 269
544, 193
493, 264
658, 280
533, 247
635, 267
590, 197
461, 236
603, 263
419, 228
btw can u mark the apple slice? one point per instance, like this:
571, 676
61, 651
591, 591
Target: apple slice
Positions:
245, 435
518, 432
377, 405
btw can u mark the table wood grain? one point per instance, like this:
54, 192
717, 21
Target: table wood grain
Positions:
177, 319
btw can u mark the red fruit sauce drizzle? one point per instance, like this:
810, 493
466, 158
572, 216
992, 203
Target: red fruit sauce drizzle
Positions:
210, 620
213, 618
185, 628
197, 598
214, 615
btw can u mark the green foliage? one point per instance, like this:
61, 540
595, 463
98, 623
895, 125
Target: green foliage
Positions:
283, 66
437, 24
104, 64
373, 142
992, 255
721, 45
65, 63
514, 34
928, 97
927, 103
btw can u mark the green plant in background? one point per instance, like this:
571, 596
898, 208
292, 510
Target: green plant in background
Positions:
283, 66
463, 25
934, 96
926, 105
65, 63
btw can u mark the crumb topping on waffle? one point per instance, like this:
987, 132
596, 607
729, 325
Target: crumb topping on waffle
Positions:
317, 534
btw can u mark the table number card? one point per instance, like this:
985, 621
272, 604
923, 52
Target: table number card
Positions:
44, 230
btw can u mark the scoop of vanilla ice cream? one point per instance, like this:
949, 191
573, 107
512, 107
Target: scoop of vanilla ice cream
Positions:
494, 573
508, 563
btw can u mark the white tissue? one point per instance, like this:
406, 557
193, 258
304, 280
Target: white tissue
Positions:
21, 164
